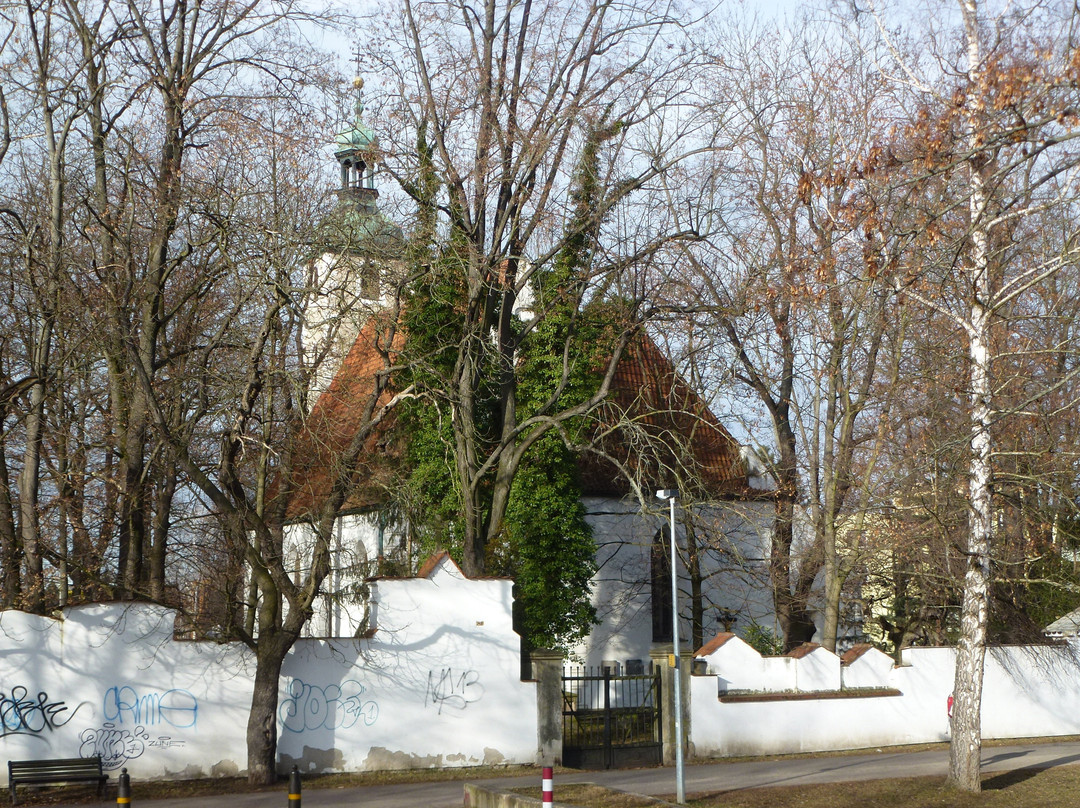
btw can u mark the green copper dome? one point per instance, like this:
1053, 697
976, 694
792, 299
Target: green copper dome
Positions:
355, 225
359, 137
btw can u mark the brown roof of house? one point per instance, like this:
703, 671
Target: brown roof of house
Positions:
654, 425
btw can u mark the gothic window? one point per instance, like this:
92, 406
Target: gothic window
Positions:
660, 586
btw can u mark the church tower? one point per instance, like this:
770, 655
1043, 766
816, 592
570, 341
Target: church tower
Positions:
357, 149
359, 253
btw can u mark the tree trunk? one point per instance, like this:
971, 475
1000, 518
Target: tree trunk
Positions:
10, 580
30, 479
790, 607
965, 746
166, 490
693, 571
965, 753
263, 715
966, 742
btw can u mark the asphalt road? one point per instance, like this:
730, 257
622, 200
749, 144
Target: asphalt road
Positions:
660, 782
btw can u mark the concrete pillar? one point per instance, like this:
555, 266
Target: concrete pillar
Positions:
660, 654
547, 667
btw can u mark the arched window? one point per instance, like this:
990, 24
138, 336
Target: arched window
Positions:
660, 586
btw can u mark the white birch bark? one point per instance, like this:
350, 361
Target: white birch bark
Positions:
966, 741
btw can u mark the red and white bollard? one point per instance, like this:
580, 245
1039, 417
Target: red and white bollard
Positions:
547, 785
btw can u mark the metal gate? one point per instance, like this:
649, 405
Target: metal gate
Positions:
611, 720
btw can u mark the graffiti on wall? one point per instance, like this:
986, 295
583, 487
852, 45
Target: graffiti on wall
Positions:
117, 745
453, 691
175, 707
24, 714
310, 707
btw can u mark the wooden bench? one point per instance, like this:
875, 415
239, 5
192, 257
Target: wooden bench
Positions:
54, 772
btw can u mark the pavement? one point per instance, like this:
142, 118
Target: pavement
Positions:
660, 782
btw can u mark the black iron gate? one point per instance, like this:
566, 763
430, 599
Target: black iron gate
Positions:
611, 720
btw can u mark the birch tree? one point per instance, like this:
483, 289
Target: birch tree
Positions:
989, 147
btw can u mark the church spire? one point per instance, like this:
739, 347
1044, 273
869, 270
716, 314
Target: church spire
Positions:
357, 147
355, 226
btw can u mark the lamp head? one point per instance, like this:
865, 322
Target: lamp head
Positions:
667, 493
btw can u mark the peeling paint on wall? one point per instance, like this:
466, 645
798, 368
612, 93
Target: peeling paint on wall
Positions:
313, 760
379, 758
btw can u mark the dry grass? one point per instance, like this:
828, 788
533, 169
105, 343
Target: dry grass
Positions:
1024, 788
1019, 789
589, 795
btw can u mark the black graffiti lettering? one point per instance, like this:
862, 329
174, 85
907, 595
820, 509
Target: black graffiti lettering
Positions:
22, 714
445, 689
114, 745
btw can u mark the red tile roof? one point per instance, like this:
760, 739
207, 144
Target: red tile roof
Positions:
428, 567
661, 430
803, 650
338, 415
653, 424
712, 645
854, 652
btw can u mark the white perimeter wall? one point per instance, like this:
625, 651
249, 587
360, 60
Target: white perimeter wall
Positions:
1029, 691
437, 685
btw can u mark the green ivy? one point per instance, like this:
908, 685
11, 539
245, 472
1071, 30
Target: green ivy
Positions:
552, 551
547, 546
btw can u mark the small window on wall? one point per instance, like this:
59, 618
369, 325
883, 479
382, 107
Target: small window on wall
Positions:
369, 281
660, 586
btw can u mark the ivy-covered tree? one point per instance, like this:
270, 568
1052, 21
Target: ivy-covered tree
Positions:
565, 343
506, 95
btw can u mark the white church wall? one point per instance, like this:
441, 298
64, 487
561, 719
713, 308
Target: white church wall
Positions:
343, 293
734, 572
342, 609
437, 685
734, 569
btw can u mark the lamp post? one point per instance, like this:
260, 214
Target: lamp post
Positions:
670, 494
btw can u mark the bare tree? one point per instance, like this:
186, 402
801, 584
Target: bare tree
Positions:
790, 281
165, 283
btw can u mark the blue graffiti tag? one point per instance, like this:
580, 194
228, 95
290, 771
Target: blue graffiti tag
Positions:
22, 714
177, 708
309, 707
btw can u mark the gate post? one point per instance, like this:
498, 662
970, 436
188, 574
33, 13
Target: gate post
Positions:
660, 655
547, 672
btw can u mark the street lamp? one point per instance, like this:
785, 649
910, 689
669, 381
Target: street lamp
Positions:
670, 494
